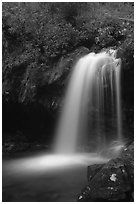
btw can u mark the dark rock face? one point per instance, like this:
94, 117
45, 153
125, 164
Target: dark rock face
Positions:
32, 105
113, 181
93, 170
54, 80
32, 83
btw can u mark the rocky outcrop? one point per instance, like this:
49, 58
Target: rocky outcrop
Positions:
113, 181
54, 80
34, 97
31, 83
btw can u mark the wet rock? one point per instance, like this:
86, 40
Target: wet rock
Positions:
113, 181
54, 80
34, 78
11, 148
7, 147
92, 170
65, 64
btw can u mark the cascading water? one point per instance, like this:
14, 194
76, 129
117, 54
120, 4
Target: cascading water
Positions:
92, 105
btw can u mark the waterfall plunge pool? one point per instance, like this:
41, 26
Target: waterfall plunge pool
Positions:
46, 177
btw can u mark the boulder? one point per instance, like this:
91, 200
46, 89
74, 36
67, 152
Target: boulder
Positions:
93, 170
113, 181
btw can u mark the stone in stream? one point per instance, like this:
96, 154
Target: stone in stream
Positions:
111, 182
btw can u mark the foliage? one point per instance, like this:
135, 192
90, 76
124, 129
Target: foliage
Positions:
36, 35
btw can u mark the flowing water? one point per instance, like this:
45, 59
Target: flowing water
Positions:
92, 96
90, 124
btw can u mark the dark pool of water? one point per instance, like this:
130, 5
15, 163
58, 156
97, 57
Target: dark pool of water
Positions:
45, 178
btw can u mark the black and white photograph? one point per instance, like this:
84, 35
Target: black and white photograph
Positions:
67, 101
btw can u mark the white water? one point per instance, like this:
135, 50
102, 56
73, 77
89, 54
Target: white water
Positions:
94, 89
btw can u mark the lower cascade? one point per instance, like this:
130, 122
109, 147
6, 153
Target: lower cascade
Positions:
91, 118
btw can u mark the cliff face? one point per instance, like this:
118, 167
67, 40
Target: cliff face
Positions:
41, 44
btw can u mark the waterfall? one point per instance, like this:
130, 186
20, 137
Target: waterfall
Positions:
92, 105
